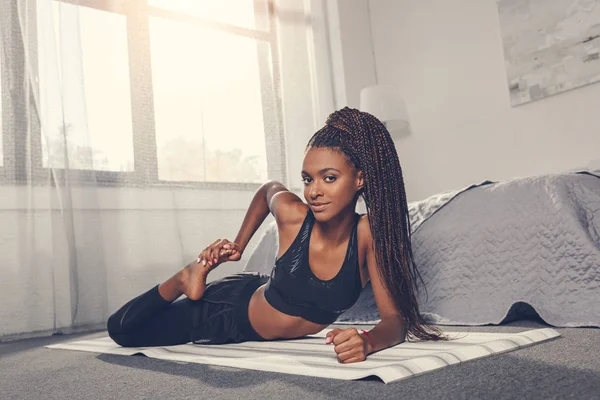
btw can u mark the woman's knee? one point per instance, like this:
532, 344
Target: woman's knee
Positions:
113, 325
125, 340
118, 334
121, 338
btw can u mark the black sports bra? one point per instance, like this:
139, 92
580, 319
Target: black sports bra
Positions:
294, 290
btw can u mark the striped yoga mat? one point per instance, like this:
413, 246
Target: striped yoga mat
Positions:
312, 357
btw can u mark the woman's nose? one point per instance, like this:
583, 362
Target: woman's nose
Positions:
314, 191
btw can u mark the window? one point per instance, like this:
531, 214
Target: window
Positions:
216, 10
209, 90
90, 113
207, 104
193, 93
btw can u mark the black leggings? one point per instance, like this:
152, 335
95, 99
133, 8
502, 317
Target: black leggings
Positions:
220, 316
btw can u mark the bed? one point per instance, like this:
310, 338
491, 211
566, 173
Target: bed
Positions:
497, 251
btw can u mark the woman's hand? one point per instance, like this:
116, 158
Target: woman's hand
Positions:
350, 346
220, 251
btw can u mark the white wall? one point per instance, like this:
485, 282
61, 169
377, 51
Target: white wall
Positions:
351, 47
447, 58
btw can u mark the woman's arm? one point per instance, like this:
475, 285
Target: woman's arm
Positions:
259, 208
391, 330
353, 346
387, 333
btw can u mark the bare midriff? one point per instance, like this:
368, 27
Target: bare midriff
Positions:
271, 323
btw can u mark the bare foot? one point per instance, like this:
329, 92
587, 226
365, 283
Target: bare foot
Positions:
192, 280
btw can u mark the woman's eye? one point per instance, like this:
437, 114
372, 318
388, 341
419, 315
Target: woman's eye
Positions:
330, 177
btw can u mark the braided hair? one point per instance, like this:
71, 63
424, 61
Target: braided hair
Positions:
366, 143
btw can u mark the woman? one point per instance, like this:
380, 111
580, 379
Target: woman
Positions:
352, 156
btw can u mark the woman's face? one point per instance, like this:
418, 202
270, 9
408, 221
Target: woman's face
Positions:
330, 182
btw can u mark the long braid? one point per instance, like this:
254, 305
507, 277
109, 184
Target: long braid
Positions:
365, 141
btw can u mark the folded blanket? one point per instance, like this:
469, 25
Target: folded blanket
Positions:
533, 240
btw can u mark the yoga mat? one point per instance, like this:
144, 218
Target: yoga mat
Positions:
310, 355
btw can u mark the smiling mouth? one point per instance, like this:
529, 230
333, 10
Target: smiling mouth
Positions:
319, 206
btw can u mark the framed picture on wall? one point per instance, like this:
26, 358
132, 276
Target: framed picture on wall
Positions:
550, 46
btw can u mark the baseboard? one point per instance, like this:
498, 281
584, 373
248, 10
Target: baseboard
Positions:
54, 332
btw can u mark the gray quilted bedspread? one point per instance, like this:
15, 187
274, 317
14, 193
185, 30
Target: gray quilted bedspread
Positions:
487, 251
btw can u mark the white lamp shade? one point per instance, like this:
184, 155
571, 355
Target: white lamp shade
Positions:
385, 103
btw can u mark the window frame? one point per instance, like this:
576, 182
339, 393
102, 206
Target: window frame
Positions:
137, 13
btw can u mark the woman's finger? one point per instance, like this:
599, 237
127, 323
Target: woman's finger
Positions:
223, 255
206, 255
210, 254
225, 245
231, 246
214, 254
352, 360
218, 249
211, 249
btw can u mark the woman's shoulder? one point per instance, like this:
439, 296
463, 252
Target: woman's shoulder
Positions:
364, 231
294, 215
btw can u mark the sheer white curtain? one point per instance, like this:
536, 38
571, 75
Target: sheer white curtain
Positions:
136, 133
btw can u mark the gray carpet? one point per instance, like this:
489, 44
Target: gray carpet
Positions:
567, 367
